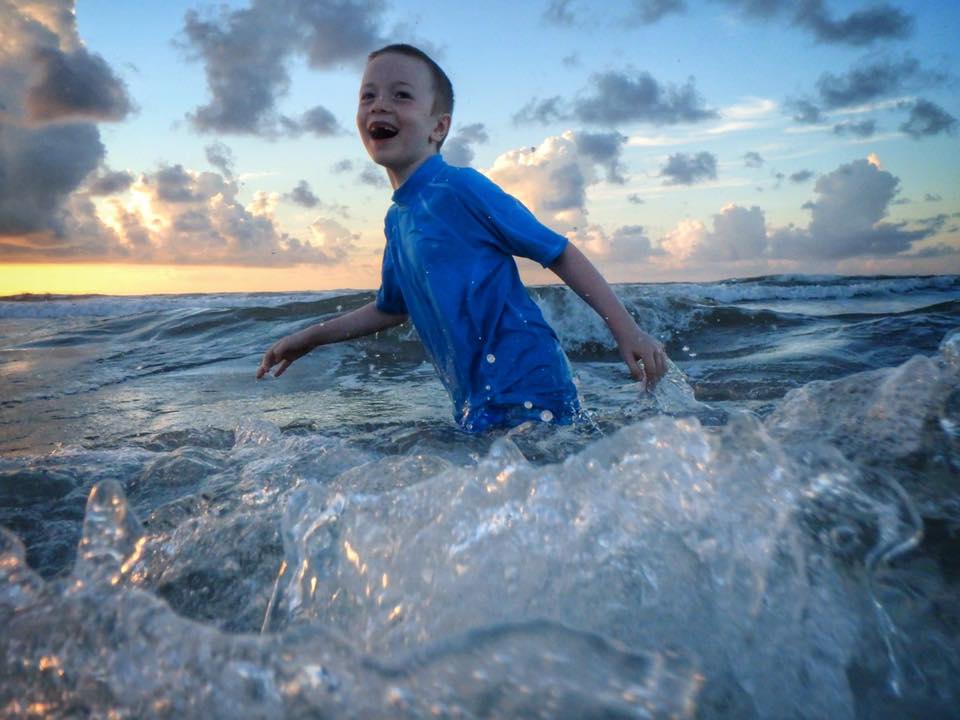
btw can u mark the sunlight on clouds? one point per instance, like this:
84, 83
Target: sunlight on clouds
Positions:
681, 242
874, 160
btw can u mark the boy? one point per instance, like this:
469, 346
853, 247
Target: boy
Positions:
448, 265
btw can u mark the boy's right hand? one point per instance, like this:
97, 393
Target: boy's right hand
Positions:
284, 352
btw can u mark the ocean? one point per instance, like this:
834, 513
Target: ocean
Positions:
773, 532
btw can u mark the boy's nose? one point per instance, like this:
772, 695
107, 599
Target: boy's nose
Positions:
380, 102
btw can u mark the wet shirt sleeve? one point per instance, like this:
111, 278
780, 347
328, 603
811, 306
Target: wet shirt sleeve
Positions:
512, 226
389, 296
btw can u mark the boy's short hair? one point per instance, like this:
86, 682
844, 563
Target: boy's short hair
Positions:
442, 87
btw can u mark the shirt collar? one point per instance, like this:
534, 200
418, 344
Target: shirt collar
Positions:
427, 171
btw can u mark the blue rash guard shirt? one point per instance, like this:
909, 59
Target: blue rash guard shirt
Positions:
448, 263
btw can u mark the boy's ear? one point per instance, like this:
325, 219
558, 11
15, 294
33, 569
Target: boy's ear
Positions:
441, 129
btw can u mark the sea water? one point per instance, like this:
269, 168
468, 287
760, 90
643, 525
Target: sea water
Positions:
771, 532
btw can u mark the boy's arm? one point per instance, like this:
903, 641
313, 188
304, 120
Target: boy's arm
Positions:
634, 344
365, 320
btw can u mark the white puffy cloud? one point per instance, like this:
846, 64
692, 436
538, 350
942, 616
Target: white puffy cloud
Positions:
552, 179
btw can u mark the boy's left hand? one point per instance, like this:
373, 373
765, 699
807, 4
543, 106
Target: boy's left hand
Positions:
645, 357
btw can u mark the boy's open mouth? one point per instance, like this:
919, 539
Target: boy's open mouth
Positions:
382, 130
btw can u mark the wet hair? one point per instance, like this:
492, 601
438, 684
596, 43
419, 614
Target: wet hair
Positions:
442, 87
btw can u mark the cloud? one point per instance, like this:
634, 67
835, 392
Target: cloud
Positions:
686, 169
342, 166
40, 168
932, 197
458, 150
558, 12
868, 82
302, 195
926, 119
321, 122
752, 159
246, 51
628, 244
617, 97
635, 199
552, 179
604, 150
805, 112
801, 176
864, 129
221, 157
738, 234
109, 182
862, 84
846, 222
647, 12
846, 218
861, 27
52, 91
77, 85
373, 176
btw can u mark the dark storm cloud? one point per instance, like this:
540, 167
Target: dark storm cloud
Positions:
39, 168
458, 150
868, 82
846, 218
801, 176
604, 150
110, 183
926, 119
861, 27
864, 128
75, 85
685, 169
752, 159
221, 157
245, 53
303, 195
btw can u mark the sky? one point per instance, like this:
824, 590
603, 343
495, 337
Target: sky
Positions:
150, 147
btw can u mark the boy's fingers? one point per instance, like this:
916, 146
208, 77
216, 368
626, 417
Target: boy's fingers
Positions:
281, 368
635, 370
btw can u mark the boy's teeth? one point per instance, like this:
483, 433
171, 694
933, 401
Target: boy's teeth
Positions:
380, 131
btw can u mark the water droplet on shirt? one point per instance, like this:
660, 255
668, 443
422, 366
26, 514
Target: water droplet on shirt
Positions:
491, 358
528, 405
546, 416
487, 387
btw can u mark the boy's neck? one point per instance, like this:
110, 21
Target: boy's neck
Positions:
398, 176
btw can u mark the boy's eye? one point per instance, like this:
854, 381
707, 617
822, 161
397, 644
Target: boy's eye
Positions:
403, 94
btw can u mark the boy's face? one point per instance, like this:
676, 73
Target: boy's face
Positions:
395, 116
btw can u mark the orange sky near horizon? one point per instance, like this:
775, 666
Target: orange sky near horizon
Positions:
129, 279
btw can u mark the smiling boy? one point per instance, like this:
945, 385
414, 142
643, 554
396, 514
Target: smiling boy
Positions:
448, 265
